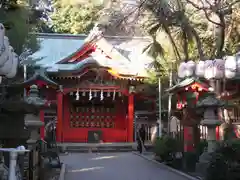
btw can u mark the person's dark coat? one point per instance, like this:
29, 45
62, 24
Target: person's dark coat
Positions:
142, 133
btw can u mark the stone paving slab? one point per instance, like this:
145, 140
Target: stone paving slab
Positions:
117, 166
151, 157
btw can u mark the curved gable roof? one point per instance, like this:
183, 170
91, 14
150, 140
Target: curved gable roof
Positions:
55, 47
125, 53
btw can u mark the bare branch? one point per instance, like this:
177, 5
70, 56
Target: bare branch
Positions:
196, 5
185, 45
208, 18
209, 3
220, 46
132, 12
231, 4
205, 10
198, 42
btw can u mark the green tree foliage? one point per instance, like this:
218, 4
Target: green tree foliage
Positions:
19, 23
191, 30
15, 16
74, 17
188, 30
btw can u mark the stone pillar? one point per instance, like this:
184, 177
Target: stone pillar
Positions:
33, 123
211, 138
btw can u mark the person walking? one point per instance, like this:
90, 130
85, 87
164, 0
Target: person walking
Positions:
141, 135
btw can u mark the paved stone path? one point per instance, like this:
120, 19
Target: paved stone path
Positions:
113, 166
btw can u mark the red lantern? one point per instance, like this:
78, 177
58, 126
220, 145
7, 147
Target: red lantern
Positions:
194, 86
180, 105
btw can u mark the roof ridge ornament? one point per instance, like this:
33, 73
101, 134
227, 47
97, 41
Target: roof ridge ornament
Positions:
40, 74
94, 34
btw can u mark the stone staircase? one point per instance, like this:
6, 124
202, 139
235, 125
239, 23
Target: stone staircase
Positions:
98, 147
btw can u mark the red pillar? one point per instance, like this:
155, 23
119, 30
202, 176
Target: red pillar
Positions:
130, 117
42, 133
188, 139
59, 116
217, 133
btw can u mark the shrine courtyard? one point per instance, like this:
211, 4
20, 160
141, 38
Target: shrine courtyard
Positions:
114, 166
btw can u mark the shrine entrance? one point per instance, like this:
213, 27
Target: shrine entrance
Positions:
99, 117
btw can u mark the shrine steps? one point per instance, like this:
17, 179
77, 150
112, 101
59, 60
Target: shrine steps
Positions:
99, 147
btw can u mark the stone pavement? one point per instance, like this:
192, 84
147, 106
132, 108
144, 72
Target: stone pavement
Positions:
151, 157
117, 166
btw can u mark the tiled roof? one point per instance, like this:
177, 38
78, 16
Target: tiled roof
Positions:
40, 75
185, 83
53, 48
127, 53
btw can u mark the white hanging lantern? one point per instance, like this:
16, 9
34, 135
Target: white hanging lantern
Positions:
4, 52
83, 93
200, 69
182, 70
6, 68
2, 33
209, 72
230, 67
190, 68
14, 67
238, 61
77, 95
90, 95
114, 94
101, 95
218, 68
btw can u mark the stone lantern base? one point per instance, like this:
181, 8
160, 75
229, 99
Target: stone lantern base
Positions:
206, 156
33, 123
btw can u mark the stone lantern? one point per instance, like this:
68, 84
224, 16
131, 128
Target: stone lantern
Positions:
33, 124
210, 106
32, 121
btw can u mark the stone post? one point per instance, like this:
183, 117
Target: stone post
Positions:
33, 123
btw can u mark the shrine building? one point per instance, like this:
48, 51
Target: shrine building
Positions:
92, 83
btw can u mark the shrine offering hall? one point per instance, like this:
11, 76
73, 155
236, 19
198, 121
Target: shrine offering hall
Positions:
89, 84
96, 116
